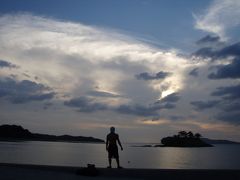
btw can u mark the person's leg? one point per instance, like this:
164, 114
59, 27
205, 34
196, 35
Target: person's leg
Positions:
118, 163
117, 159
110, 162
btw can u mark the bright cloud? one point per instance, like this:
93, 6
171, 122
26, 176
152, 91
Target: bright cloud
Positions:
219, 17
84, 57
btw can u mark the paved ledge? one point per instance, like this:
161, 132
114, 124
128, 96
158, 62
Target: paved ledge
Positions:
44, 172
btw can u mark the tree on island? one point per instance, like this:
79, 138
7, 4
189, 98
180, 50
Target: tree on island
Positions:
197, 135
185, 139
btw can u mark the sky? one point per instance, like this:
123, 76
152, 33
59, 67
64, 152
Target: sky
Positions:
150, 68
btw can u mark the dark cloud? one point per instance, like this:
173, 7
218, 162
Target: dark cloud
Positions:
228, 93
47, 105
231, 70
208, 39
170, 117
176, 118
84, 104
103, 94
230, 117
232, 50
194, 72
205, 52
202, 105
4, 64
24, 91
138, 110
146, 76
232, 106
151, 110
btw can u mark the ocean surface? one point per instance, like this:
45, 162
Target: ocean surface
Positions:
80, 154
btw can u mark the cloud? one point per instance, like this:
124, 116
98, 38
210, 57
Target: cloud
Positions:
228, 60
47, 105
232, 117
226, 108
84, 104
216, 54
171, 98
231, 70
24, 91
231, 50
168, 102
89, 105
205, 52
202, 105
103, 94
75, 58
194, 72
138, 110
228, 92
219, 17
230, 106
146, 76
209, 39
4, 64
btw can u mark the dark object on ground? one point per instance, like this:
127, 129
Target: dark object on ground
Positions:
90, 170
18, 133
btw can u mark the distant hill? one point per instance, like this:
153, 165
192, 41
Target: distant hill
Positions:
15, 132
214, 141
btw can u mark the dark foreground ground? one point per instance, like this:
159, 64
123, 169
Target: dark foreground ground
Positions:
39, 172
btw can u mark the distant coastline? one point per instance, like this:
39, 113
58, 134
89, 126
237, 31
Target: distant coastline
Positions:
187, 139
18, 133
219, 141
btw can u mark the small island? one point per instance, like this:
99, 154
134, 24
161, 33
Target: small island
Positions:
18, 133
185, 139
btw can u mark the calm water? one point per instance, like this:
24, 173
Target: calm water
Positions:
77, 154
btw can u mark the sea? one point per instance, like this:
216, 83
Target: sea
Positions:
81, 154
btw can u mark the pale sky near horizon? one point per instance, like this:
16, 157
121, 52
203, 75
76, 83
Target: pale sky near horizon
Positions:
150, 68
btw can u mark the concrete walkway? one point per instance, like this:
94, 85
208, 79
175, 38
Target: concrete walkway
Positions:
39, 172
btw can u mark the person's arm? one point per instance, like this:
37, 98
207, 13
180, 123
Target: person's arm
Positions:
107, 143
118, 140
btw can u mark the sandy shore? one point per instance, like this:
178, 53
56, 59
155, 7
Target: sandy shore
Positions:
41, 172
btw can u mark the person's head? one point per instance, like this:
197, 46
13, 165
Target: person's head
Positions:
112, 129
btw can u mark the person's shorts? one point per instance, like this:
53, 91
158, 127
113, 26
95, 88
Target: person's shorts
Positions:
113, 151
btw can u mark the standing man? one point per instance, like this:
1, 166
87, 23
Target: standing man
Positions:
112, 148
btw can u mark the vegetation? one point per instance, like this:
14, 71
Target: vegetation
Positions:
185, 139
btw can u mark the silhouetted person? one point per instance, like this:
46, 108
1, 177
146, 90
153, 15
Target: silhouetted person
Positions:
112, 148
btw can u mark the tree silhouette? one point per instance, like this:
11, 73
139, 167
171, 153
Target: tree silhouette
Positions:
198, 135
185, 139
182, 134
190, 134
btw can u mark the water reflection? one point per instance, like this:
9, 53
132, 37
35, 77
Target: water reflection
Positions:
76, 154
